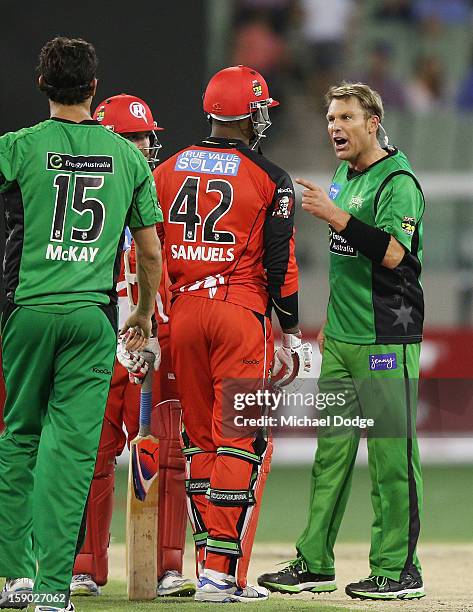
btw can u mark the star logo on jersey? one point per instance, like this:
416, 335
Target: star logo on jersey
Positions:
84, 235
403, 316
356, 202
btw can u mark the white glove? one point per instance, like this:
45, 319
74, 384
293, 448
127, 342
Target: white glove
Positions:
291, 359
135, 362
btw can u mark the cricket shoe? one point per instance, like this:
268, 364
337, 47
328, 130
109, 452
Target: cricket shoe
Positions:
173, 584
15, 593
83, 584
225, 590
69, 608
295, 578
380, 587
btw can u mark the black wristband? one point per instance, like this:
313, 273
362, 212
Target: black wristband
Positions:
370, 241
287, 310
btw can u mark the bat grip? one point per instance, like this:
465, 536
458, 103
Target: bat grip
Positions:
146, 396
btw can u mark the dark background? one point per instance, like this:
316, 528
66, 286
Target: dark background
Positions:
155, 50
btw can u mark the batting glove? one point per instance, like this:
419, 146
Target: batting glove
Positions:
291, 359
135, 362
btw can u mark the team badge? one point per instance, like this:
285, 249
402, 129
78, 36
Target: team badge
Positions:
138, 110
257, 88
408, 225
284, 207
101, 114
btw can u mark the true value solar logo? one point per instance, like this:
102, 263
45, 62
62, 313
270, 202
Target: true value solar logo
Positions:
208, 162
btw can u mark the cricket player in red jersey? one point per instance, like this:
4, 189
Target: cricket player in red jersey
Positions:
228, 238
132, 117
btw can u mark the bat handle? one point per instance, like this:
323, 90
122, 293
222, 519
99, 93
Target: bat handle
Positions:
146, 396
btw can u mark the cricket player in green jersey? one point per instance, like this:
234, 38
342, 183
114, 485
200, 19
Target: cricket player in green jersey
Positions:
370, 348
70, 188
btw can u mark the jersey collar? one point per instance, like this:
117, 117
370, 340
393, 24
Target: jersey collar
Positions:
85, 122
391, 151
222, 143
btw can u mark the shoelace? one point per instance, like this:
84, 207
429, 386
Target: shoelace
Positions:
291, 565
81, 577
380, 581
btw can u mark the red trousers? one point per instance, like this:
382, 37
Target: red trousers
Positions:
213, 342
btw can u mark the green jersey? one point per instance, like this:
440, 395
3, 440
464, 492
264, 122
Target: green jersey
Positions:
70, 189
369, 303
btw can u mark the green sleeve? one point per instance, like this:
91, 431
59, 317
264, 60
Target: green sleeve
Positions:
145, 209
9, 161
400, 208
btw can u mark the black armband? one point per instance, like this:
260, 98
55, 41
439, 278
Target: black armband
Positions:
287, 310
370, 241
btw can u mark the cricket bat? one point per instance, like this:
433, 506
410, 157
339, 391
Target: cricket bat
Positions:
142, 496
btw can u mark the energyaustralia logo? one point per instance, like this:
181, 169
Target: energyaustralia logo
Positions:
82, 163
208, 162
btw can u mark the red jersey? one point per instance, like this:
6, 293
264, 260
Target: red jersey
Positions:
163, 296
228, 224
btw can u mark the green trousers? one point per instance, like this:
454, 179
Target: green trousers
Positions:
57, 370
378, 382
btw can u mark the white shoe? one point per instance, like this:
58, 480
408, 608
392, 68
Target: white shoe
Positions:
83, 584
70, 608
11, 595
225, 590
173, 584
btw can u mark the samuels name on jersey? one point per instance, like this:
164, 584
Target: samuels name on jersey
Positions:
201, 253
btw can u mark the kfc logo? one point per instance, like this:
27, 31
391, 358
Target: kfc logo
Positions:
284, 207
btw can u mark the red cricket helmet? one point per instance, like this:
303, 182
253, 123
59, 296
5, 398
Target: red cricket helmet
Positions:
125, 114
236, 93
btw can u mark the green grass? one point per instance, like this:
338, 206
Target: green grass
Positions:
448, 499
447, 518
114, 598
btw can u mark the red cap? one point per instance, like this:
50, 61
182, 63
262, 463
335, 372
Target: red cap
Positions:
125, 114
232, 92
